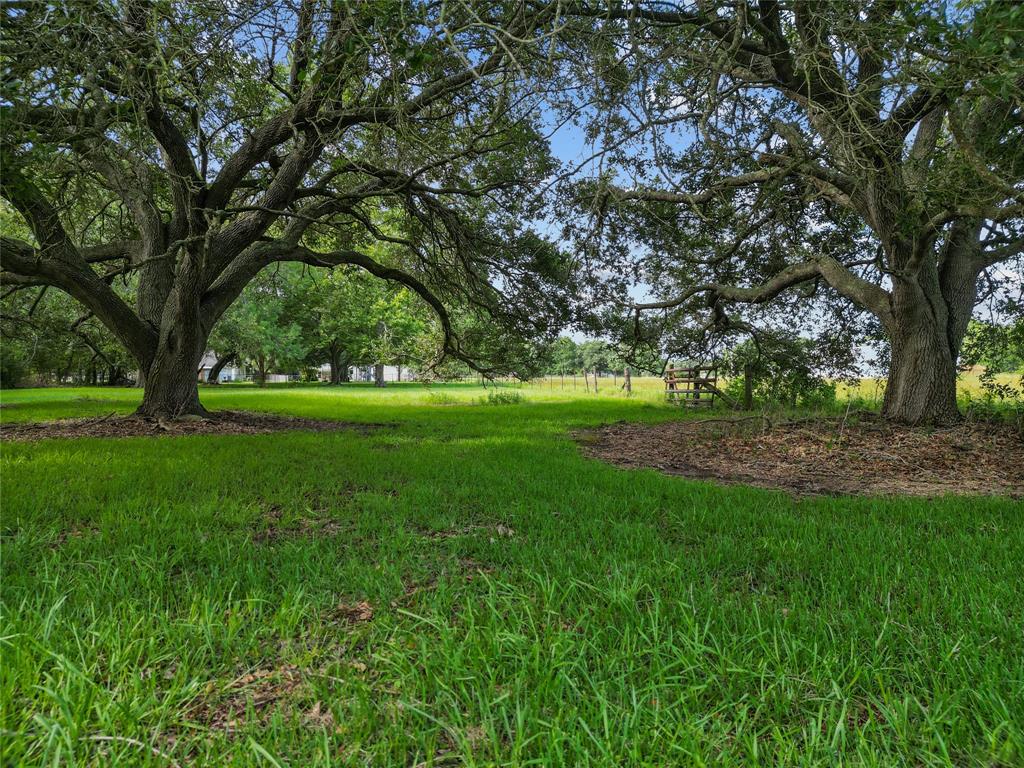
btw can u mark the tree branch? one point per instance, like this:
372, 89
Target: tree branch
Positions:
856, 289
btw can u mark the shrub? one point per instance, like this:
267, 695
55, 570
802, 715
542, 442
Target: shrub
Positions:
501, 397
782, 371
12, 366
440, 398
821, 396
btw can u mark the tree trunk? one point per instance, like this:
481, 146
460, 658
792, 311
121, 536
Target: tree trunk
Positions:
748, 387
378, 375
334, 351
922, 375
213, 377
172, 378
172, 387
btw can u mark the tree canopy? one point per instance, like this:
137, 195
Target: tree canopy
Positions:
828, 156
851, 169
181, 148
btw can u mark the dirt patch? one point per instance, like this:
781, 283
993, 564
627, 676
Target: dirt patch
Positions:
351, 613
218, 423
868, 456
274, 528
263, 690
500, 530
315, 519
75, 532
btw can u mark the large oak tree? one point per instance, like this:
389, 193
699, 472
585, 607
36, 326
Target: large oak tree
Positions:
178, 148
871, 151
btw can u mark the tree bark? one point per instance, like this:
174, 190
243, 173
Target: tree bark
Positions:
172, 380
334, 360
213, 377
172, 387
922, 373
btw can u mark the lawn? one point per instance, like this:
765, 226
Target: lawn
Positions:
462, 586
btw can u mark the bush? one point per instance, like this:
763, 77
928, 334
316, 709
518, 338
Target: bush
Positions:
820, 397
12, 367
440, 398
501, 397
783, 371
998, 402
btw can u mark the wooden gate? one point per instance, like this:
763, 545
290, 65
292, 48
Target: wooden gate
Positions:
694, 387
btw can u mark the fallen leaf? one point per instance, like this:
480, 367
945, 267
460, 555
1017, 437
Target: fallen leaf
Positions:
354, 614
475, 736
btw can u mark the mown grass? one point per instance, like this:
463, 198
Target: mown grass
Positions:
195, 600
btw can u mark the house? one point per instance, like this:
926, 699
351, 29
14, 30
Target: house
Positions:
365, 373
230, 372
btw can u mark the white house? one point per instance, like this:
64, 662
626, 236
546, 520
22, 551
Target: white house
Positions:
230, 372
235, 372
365, 373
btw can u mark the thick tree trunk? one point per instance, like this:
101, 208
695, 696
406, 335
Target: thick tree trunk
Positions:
172, 388
922, 374
378, 375
172, 380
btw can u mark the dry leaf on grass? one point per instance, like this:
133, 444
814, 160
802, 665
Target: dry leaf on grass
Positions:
356, 613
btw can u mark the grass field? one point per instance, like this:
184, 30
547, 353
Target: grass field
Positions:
653, 388
462, 587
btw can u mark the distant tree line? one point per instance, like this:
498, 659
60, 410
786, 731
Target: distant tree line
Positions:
286, 320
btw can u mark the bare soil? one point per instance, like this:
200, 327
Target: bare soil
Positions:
218, 423
835, 456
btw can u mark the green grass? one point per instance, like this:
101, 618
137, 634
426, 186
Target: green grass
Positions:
615, 618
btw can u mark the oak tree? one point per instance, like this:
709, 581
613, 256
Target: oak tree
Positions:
181, 148
868, 152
